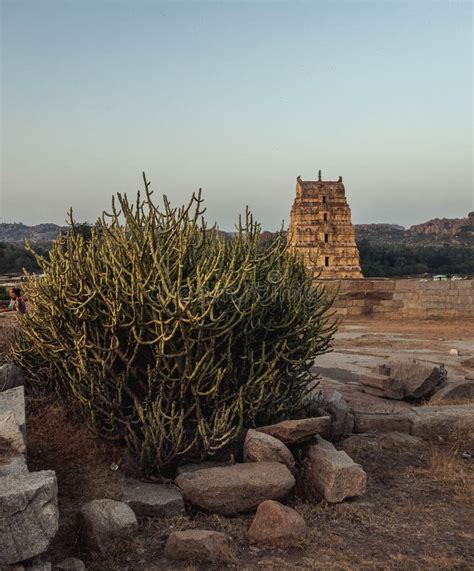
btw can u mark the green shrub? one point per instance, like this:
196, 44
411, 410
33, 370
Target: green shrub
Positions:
169, 336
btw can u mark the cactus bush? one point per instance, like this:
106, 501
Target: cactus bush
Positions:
170, 336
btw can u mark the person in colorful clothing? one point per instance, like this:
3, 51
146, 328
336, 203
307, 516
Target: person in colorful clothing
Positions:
17, 303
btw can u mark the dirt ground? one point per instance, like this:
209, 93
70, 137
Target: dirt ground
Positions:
416, 513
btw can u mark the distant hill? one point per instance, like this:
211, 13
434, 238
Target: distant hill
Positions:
17, 233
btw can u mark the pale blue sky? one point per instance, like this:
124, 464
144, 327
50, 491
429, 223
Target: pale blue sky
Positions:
238, 98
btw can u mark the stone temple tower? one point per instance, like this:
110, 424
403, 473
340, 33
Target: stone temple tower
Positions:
321, 229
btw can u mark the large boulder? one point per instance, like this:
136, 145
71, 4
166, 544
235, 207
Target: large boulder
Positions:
299, 430
200, 545
28, 515
11, 377
276, 525
104, 522
261, 447
152, 500
332, 473
238, 488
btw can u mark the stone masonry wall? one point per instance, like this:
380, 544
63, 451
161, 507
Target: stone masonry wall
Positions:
405, 298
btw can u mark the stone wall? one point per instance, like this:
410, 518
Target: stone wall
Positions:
405, 298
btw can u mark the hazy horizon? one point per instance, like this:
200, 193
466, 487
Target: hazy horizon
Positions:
238, 99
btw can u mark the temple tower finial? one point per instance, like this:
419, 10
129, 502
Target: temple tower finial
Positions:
319, 175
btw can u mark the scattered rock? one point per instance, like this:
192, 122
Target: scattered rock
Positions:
455, 390
13, 400
374, 442
261, 447
276, 525
71, 564
152, 500
300, 430
237, 488
103, 522
28, 515
200, 545
381, 422
442, 421
332, 473
11, 377
454, 352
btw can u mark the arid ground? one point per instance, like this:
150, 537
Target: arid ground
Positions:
416, 513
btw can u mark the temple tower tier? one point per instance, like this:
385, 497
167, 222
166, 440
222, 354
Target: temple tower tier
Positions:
321, 229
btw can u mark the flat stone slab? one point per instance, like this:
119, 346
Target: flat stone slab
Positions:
200, 545
444, 420
152, 500
13, 400
298, 430
332, 473
238, 488
28, 515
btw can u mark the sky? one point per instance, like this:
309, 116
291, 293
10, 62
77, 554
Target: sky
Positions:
238, 98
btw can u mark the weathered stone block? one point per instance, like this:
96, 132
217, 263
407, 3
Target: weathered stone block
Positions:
276, 525
332, 473
299, 430
28, 515
261, 447
13, 400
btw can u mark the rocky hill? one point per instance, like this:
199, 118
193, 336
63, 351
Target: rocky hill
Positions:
17, 233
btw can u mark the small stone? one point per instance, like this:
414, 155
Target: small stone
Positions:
200, 545
300, 430
276, 525
28, 515
261, 447
71, 564
152, 500
11, 377
238, 488
454, 352
332, 473
104, 522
